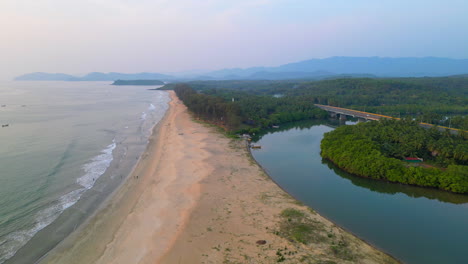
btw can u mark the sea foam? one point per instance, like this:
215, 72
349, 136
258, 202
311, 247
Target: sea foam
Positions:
93, 170
97, 167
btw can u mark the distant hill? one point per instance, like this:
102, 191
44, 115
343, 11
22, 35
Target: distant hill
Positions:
94, 76
268, 75
332, 67
138, 82
360, 66
42, 76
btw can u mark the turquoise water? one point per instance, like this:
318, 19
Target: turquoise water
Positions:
67, 146
416, 225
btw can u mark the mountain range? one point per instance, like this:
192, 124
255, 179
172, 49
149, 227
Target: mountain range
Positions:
308, 69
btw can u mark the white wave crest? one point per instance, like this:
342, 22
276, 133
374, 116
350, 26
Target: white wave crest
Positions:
15, 240
93, 170
97, 167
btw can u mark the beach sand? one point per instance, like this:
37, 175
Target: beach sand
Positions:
197, 196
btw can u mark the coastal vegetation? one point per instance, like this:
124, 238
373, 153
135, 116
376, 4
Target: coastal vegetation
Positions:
246, 112
377, 150
302, 227
374, 149
440, 100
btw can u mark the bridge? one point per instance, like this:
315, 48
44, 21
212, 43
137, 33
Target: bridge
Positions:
341, 113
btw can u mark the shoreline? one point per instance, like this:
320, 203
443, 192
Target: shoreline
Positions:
131, 142
201, 197
65, 250
396, 182
326, 218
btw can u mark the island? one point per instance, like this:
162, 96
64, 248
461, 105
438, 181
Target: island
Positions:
400, 151
138, 82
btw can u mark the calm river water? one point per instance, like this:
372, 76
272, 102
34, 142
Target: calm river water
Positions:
415, 225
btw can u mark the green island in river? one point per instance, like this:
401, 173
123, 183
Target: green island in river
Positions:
384, 150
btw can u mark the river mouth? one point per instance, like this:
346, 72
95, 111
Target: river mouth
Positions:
413, 224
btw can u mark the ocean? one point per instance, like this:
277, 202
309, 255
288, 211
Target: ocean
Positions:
64, 148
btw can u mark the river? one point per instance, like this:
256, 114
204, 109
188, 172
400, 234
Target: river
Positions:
415, 225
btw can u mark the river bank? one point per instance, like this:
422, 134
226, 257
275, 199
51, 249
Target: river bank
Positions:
411, 223
197, 196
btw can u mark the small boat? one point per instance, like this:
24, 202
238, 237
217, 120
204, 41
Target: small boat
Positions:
6, 125
256, 146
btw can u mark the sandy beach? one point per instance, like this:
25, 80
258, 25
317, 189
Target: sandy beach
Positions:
197, 196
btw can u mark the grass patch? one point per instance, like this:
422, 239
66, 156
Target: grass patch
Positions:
341, 250
297, 226
292, 213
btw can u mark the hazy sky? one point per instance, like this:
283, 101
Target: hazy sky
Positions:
80, 36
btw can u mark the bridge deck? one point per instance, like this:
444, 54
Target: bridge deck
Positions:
372, 116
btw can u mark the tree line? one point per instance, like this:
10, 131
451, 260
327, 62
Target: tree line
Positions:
241, 112
211, 108
441, 101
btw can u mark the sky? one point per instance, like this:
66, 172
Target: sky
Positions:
81, 36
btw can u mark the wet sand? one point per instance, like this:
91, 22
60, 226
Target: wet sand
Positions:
197, 196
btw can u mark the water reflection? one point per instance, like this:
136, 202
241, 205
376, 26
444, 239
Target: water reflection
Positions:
307, 124
412, 223
373, 185
394, 188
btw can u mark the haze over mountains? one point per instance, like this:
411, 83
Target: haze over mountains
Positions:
312, 69
94, 76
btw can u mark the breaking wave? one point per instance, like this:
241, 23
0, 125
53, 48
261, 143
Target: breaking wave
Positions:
93, 170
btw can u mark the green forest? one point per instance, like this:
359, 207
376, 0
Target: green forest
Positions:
377, 149
244, 112
372, 149
442, 101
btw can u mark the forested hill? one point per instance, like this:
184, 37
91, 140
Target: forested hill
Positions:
377, 150
441, 101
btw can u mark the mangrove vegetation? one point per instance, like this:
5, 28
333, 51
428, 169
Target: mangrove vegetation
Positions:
378, 150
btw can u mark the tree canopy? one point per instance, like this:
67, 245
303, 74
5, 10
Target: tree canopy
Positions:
376, 149
441, 101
